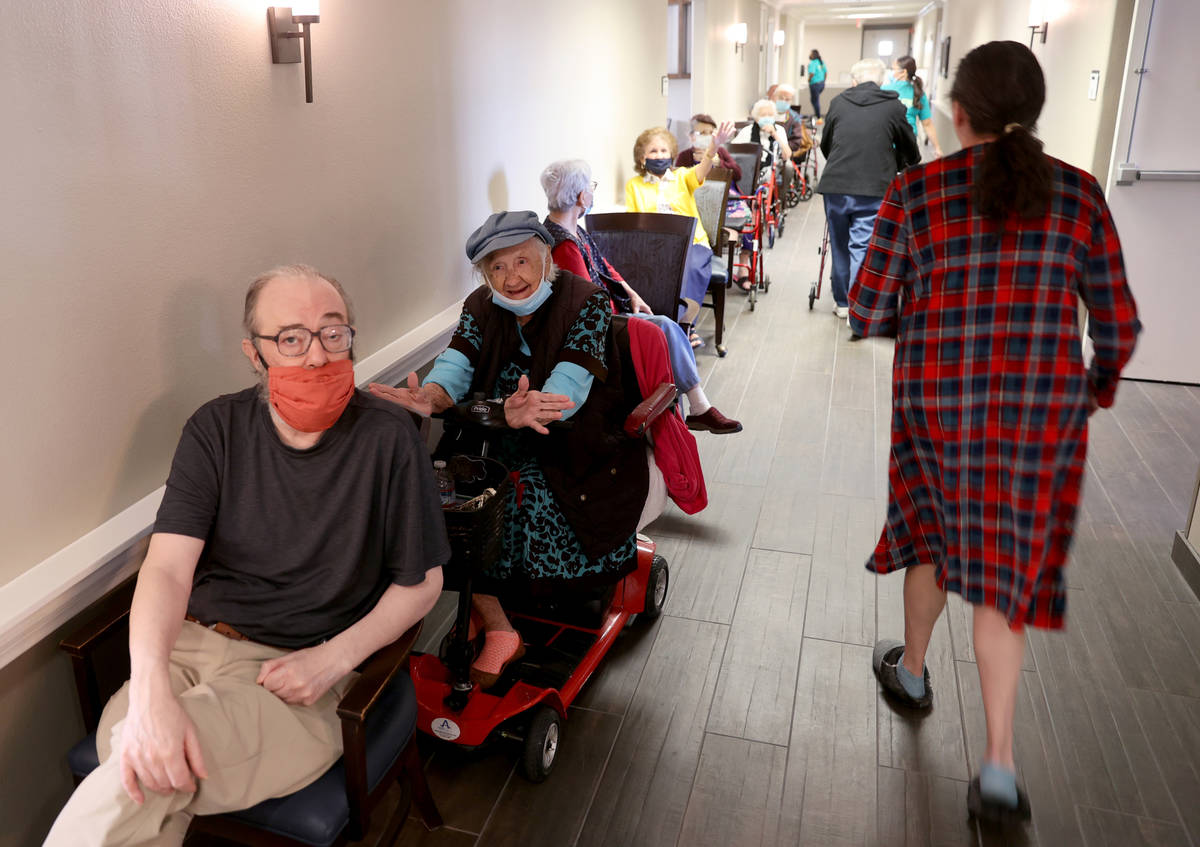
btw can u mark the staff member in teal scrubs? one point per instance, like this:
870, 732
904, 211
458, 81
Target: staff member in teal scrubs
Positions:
908, 85
816, 81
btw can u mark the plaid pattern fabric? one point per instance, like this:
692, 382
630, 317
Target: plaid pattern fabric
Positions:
989, 390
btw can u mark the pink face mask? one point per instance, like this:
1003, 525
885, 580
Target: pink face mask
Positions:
311, 399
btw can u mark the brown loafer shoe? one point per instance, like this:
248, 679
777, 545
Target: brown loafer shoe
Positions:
713, 421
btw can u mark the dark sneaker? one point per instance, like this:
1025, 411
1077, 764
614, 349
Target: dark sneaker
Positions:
997, 813
884, 660
713, 421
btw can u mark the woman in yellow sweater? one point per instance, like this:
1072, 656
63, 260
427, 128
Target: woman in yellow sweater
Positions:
660, 188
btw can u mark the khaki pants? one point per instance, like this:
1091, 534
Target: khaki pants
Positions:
255, 746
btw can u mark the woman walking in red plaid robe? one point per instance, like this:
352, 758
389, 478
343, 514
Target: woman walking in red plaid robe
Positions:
976, 265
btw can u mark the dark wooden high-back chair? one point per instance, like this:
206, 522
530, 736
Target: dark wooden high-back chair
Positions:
378, 715
748, 156
649, 250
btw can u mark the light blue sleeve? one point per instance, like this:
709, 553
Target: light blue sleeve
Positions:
453, 372
572, 380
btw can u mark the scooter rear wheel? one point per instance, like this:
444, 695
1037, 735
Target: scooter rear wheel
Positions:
541, 745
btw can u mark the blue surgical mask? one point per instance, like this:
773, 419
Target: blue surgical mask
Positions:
766, 121
782, 106
527, 306
658, 167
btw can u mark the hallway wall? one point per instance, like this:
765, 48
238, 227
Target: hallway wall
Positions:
1086, 35
724, 84
164, 161
840, 46
157, 160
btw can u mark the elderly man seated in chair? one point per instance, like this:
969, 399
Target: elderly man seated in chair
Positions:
300, 532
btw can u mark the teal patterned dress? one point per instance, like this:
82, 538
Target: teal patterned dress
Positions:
541, 549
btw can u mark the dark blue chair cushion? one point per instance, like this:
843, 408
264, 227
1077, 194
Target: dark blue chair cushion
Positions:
317, 814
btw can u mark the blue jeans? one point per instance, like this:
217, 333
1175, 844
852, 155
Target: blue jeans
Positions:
697, 274
683, 358
851, 220
814, 94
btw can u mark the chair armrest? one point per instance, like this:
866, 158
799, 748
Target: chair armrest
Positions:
98, 672
648, 410
104, 617
374, 675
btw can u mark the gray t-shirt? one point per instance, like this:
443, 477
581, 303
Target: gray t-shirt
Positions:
300, 544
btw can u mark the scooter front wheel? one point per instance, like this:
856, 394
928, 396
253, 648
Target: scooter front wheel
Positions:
656, 589
541, 744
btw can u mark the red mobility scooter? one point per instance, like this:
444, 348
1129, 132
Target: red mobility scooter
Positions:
564, 643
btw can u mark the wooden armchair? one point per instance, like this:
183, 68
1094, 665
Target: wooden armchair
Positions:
378, 717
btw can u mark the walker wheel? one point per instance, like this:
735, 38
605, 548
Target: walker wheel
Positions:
541, 745
812, 295
806, 194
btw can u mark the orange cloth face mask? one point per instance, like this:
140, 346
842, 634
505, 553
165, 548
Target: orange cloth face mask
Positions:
311, 399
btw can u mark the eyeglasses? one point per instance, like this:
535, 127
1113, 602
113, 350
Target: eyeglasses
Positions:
335, 338
594, 184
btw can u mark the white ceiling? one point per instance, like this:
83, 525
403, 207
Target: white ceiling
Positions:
848, 11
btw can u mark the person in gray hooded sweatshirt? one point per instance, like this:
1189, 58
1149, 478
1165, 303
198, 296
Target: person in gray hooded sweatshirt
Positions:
865, 141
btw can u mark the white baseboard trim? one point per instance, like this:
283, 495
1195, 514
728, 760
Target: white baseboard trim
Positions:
52, 592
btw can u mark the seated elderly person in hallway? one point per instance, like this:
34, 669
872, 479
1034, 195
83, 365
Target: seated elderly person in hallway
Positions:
765, 130
266, 582
798, 137
866, 140
570, 193
539, 338
703, 128
659, 188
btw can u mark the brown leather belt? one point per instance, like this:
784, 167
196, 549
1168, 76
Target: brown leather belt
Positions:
220, 628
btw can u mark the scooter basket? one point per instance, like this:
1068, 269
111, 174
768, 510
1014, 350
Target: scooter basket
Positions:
477, 536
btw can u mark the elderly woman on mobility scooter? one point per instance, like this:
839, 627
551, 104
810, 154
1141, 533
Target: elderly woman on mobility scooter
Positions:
539, 338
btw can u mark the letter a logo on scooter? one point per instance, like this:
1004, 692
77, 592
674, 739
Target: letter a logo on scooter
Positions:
445, 729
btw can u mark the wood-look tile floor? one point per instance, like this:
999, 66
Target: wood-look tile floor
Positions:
748, 714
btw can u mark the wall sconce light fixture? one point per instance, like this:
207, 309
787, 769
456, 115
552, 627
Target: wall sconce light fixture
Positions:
287, 25
780, 37
1038, 25
739, 35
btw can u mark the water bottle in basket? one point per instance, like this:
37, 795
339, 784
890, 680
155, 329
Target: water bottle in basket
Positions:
445, 482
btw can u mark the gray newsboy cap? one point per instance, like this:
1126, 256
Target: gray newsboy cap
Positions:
505, 229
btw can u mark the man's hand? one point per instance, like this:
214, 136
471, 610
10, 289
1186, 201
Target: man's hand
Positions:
534, 409
414, 397
303, 676
159, 745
